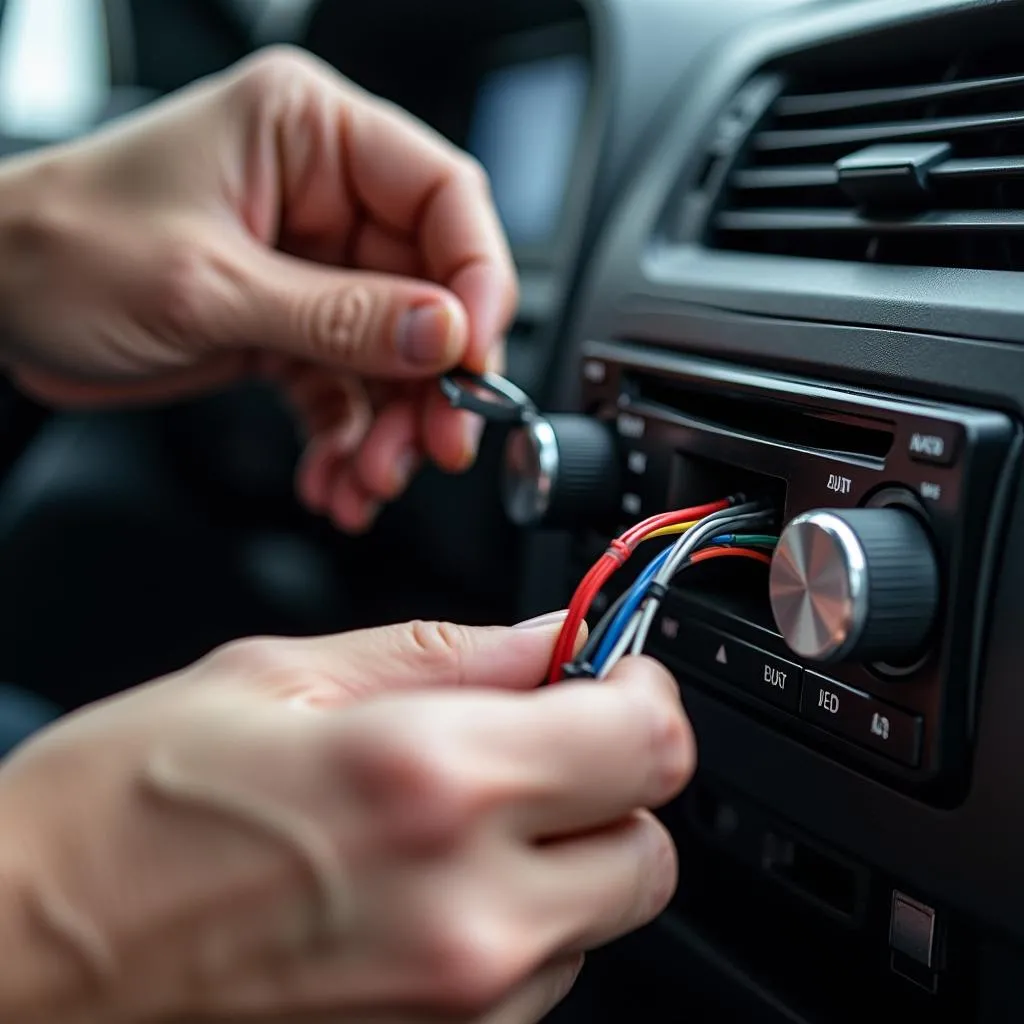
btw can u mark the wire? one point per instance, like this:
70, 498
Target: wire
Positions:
590, 648
681, 552
635, 596
629, 636
706, 554
613, 559
747, 540
671, 531
607, 645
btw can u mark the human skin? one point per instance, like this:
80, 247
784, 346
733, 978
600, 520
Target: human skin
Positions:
272, 220
392, 826
389, 826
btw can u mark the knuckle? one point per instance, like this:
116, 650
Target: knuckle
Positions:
195, 291
253, 656
440, 647
340, 323
273, 67
415, 785
472, 172
475, 963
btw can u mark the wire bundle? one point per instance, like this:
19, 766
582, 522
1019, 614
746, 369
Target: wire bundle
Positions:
704, 532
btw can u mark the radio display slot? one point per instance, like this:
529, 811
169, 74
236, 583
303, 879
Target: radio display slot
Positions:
864, 440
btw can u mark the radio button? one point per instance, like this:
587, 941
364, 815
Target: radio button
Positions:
861, 718
757, 672
935, 445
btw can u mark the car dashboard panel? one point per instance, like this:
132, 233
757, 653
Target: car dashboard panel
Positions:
807, 287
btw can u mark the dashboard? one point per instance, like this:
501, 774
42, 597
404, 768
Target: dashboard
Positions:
774, 246
804, 285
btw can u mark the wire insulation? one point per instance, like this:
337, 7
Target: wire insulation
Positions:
625, 626
612, 560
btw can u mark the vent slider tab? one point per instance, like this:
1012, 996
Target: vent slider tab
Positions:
890, 175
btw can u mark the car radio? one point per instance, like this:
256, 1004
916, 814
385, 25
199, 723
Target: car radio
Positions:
864, 637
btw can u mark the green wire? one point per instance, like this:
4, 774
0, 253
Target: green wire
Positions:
754, 540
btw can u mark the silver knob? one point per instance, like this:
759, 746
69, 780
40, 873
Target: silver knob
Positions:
560, 471
855, 584
530, 472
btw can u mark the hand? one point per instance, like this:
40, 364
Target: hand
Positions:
390, 825
273, 219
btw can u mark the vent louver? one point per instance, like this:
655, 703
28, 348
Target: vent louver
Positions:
922, 167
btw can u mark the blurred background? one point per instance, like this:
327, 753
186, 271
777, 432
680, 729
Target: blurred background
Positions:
133, 542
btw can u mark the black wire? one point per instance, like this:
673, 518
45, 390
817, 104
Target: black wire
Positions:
583, 660
597, 633
581, 663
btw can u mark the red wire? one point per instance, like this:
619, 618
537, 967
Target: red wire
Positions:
605, 567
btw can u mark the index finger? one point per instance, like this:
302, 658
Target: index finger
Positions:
601, 750
414, 183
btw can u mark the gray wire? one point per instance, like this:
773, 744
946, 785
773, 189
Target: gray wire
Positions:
677, 561
634, 636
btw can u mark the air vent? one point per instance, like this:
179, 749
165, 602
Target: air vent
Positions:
921, 166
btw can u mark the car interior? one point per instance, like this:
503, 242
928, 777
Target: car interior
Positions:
767, 252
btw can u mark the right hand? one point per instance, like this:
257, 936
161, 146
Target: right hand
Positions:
390, 825
276, 218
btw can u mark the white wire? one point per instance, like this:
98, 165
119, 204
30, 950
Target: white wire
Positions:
635, 634
677, 562
618, 652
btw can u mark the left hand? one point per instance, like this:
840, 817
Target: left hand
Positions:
272, 219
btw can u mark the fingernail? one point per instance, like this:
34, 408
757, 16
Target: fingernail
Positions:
405, 466
425, 335
370, 513
496, 359
472, 432
544, 621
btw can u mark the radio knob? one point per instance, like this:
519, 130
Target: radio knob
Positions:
561, 471
855, 585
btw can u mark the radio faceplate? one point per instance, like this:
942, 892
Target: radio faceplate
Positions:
690, 429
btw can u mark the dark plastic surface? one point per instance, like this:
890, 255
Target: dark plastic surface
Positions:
808, 446
588, 471
903, 582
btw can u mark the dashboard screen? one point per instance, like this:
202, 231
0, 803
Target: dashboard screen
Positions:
524, 131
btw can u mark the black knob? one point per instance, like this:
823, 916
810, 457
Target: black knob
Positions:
561, 471
855, 585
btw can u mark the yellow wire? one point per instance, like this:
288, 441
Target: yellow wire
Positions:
672, 531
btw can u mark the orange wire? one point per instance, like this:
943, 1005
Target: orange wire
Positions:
605, 567
721, 552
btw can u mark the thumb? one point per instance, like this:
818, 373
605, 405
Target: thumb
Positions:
375, 325
422, 655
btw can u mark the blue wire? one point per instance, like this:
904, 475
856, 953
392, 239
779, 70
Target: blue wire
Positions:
626, 612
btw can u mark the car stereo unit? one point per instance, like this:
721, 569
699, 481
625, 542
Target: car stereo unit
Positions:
865, 636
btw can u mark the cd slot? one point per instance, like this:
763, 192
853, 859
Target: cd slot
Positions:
758, 417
